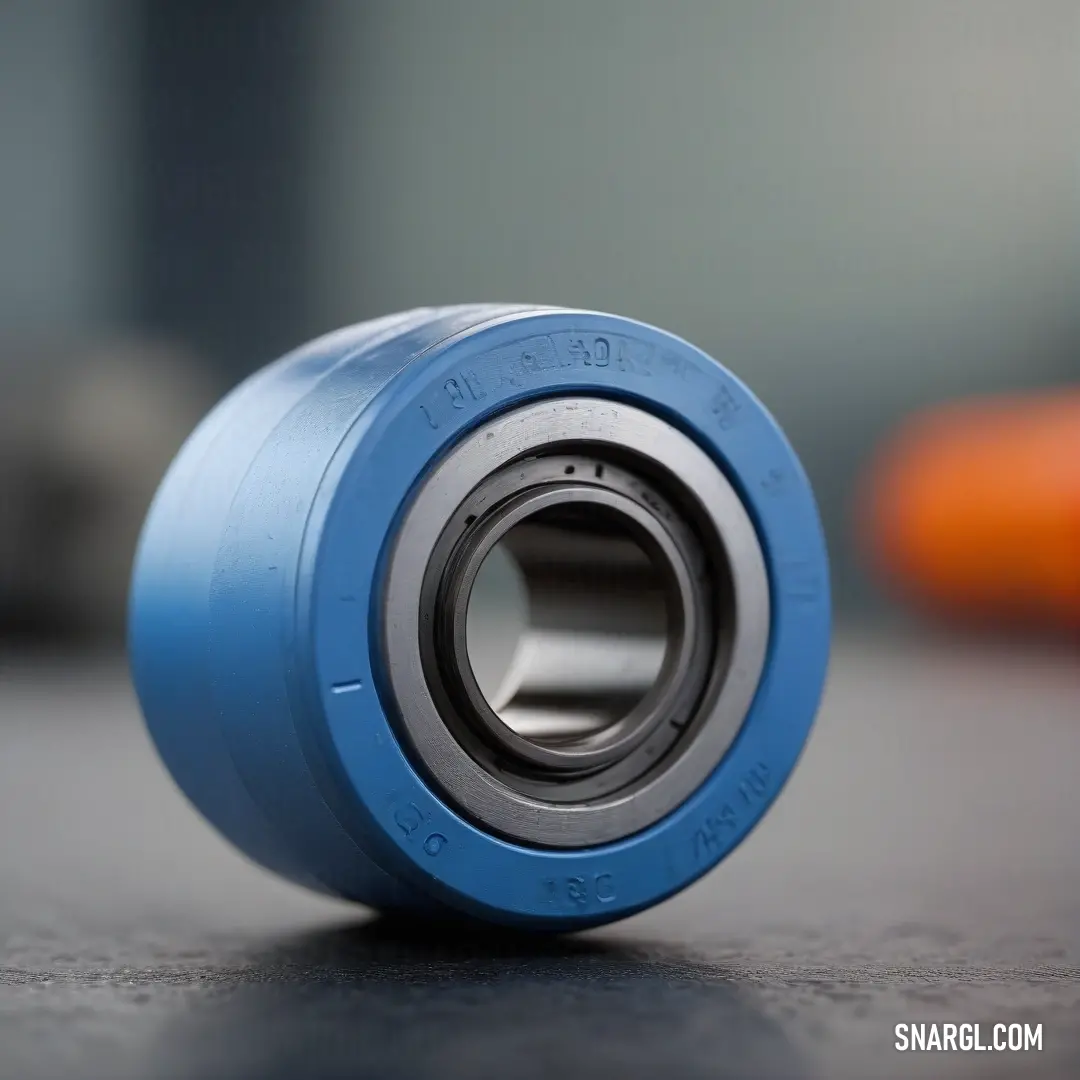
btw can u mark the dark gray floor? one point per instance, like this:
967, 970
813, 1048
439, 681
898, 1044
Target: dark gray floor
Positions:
923, 865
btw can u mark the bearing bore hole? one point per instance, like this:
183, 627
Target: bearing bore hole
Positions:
568, 623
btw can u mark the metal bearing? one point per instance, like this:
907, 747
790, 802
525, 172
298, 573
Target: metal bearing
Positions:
517, 612
712, 663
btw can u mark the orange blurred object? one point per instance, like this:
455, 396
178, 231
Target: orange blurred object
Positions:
973, 510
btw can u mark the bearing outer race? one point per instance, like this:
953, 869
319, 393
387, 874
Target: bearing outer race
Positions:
552, 424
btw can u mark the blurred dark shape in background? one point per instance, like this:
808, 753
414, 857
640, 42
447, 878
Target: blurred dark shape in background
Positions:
861, 209
84, 441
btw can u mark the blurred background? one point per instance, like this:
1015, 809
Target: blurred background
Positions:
862, 209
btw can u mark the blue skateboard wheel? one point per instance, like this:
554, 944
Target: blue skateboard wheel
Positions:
507, 612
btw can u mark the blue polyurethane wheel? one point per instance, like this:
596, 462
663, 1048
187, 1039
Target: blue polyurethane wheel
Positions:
509, 612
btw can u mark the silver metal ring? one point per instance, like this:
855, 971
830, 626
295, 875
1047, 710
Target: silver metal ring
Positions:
635, 736
677, 503
617, 739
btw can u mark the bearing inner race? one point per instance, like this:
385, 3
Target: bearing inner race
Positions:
613, 645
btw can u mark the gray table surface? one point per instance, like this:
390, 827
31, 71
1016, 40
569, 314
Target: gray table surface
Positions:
923, 865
